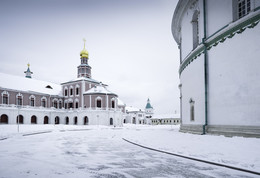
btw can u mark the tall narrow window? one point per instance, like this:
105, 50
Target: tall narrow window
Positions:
5, 99
55, 104
19, 100
77, 91
76, 105
113, 104
244, 8
60, 104
195, 29
32, 100
71, 91
99, 103
66, 92
43, 102
192, 114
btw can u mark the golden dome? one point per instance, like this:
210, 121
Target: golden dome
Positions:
84, 52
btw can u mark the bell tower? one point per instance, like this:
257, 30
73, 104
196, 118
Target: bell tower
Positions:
84, 70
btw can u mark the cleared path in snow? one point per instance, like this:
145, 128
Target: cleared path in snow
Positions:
94, 153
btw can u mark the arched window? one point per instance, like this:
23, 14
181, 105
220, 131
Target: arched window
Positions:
67, 120
77, 90
19, 99
43, 101
55, 103
75, 120
19, 119
76, 103
195, 29
46, 120
4, 119
113, 103
192, 114
57, 120
32, 100
98, 102
66, 92
33, 119
71, 90
5, 97
60, 103
85, 120
111, 121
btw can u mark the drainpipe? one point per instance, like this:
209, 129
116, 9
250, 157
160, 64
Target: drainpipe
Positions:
205, 68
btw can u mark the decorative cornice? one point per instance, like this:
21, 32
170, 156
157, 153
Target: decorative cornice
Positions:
228, 31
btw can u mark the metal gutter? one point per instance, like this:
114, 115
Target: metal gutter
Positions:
205, 68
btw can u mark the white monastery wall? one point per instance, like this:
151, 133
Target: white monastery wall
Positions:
192, 80
218, 16
234, 80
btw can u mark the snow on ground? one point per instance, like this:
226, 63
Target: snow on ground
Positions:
234, 151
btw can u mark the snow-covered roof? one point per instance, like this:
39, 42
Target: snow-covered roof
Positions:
99, 89
120, 102
29, 85
165, 116
84, 79
132, 109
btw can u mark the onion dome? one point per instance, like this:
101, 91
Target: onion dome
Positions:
84, 52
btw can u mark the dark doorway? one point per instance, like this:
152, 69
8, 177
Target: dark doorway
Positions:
75, 120
124, 121
85, 120
20, 119
111, 121
46, 120
33, 120
57, 120
67, 120
4, 119
70, 105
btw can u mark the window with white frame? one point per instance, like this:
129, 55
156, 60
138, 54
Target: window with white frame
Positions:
32, 100
98, 102
19, 99
55, 103
195, 29
77, 90
5, 97
60, 104
244, 7
71, 91
43, 101
66, 92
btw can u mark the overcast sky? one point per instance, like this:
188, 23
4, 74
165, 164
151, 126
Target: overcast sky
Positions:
130, 45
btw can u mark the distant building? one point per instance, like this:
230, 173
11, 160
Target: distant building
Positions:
219, 44
82, 101
134, 116
165, 119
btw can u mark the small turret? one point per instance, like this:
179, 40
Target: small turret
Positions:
28, 73
148, 109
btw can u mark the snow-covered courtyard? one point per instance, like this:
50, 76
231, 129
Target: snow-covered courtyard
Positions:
99, 151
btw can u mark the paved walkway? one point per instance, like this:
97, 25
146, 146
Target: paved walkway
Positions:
94, 153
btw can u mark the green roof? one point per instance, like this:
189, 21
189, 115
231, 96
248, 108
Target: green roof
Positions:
148, 106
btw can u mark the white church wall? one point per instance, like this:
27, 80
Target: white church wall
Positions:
192, 80
234, 80
219, 14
